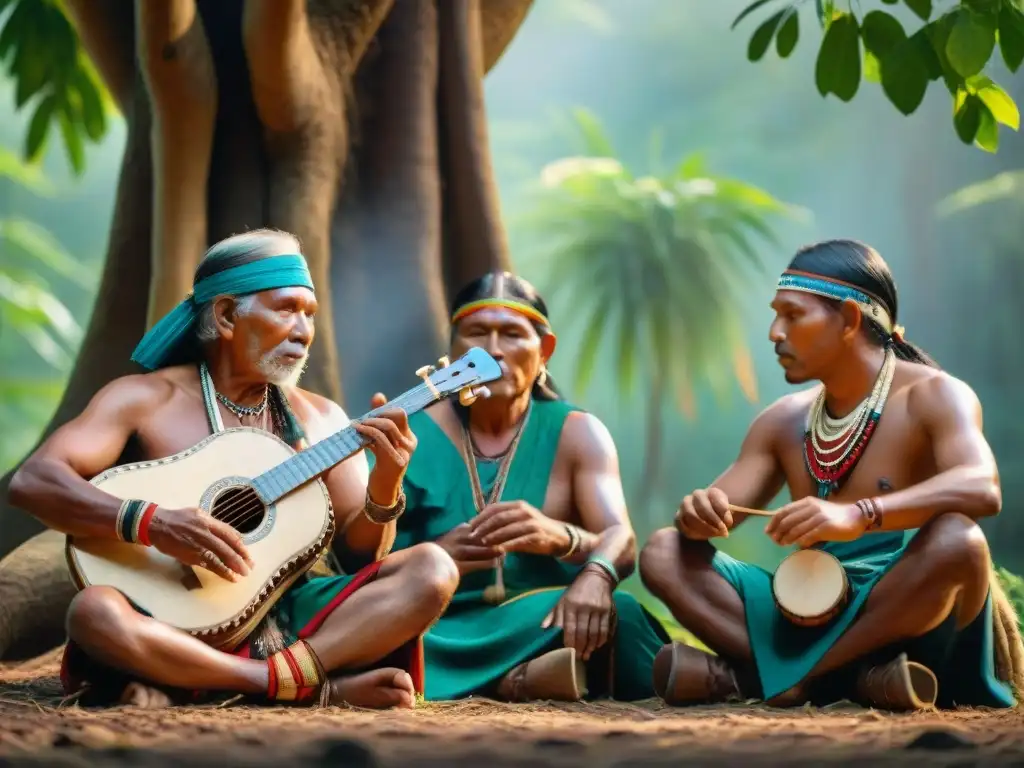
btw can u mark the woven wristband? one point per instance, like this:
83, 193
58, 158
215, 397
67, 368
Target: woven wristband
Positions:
132, 523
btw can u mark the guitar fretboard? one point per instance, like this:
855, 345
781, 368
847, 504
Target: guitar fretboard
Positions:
299, 469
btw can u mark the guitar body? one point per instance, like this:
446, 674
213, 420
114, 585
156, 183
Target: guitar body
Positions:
284, 538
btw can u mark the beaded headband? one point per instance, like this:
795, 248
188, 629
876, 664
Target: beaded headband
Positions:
517, 306
830, 288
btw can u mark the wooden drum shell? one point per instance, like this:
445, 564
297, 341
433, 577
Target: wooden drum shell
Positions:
809, 561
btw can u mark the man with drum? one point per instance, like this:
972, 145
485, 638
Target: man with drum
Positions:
886, 443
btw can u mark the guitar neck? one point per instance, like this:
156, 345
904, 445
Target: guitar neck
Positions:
312, 462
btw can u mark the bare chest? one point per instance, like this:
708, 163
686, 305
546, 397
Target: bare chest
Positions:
897, 455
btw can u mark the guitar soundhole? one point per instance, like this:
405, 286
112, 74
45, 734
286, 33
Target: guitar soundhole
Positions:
240, 508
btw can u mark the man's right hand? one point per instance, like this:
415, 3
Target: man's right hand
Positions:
468, 553
704, 514
193, 537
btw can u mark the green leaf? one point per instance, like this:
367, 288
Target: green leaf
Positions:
72, 142
971, 42
14, 29
922, 43
39, 127
1011, 37
890, 2
1008, 185
967, 117
838, 68
788, 35
825, 10
762, 37
93, 115
872, 68
588, 127
904, 77
999, 103
747, 11
881, 33
37, 243
987, 137
923, 8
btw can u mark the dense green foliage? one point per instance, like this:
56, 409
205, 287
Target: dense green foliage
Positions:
41, 53
30, 259
953, 47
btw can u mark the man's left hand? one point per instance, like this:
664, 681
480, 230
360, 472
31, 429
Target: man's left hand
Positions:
515, 526
584, 613
811, 520
392, 444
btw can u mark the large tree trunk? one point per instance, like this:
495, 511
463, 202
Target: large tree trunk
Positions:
281, 161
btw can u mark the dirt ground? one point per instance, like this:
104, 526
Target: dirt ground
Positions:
36, 730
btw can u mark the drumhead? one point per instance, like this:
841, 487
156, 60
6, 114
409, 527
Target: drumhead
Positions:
809, 582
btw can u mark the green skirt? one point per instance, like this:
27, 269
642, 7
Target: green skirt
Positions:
474, 645
785, 653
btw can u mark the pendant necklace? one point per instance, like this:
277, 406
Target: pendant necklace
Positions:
494, 594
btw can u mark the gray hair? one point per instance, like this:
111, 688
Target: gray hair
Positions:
232, 251
206, 328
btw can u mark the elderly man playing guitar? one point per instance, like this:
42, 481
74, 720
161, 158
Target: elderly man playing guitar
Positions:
230, 355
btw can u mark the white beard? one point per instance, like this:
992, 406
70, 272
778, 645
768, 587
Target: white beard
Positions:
278, 371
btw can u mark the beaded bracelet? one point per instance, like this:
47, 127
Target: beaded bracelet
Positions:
606, 565
375, 513
871, 510
133, 519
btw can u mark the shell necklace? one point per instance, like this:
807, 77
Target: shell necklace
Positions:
832, 447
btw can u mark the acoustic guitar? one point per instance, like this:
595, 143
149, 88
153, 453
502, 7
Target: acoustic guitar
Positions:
270, 493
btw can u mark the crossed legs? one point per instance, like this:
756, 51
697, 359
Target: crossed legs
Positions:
412, 589
943, 572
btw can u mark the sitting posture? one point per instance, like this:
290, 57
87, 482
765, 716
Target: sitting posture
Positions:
887, 443
523, 491
230, 355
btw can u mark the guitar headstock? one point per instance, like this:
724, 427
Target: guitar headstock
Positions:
465, 376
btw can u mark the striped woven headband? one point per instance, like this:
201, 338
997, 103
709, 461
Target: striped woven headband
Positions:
793, 280
517, 306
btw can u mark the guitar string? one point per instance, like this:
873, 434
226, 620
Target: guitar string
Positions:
240, 511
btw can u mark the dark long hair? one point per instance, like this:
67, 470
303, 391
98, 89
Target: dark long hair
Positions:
862, 266
505, 285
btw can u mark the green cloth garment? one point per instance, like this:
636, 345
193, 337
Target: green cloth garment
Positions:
475, 644
785, 653
164, 340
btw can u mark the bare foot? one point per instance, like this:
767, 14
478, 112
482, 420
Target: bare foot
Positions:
376, 689
144, 697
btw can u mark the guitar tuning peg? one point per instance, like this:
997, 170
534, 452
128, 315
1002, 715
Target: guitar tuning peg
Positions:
424, 371
468, 395
443, 362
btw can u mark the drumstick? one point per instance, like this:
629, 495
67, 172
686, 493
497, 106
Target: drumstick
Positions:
748, 511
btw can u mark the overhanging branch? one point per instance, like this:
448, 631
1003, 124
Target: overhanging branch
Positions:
287, 78
499, 22
178, 71
106, 29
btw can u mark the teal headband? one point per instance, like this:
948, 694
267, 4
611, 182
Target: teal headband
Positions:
830, 288
178, 326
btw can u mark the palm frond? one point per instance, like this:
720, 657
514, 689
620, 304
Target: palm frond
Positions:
655, 266
1008, 185
29, 240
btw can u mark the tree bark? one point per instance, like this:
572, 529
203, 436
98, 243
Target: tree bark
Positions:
379, 250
